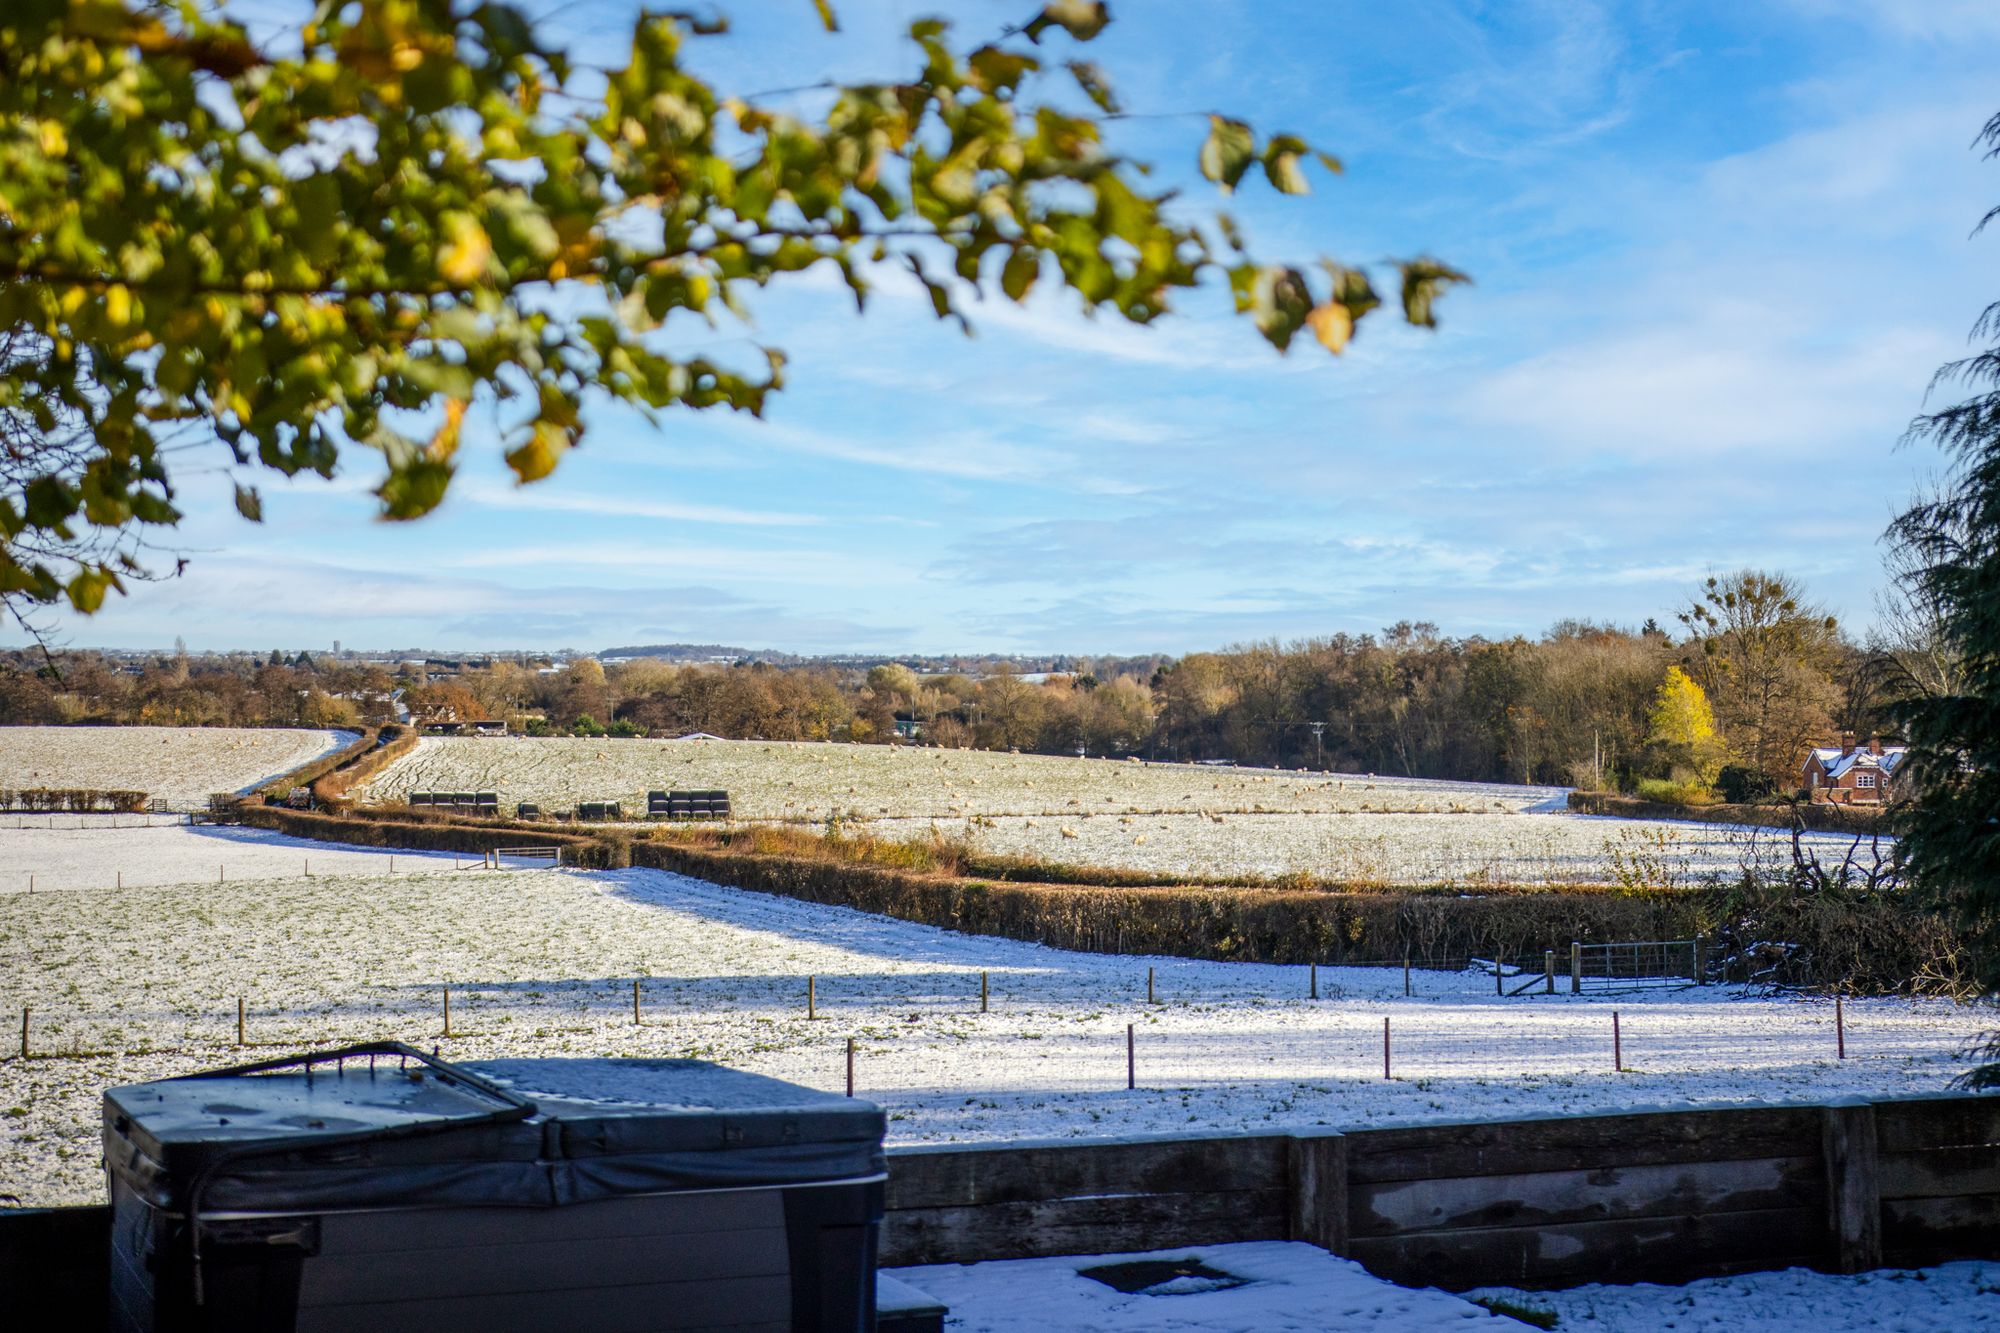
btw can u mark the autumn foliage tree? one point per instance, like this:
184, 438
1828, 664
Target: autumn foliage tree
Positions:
1682, 726
384, 216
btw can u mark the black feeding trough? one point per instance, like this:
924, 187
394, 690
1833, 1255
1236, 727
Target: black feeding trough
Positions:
380, 1189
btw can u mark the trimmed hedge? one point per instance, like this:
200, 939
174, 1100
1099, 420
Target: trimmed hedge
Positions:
1812, 815
305, 775
72, 800
392, 743
426, 836
1758, 933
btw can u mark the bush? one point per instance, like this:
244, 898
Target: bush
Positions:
1740, 784
1668, 792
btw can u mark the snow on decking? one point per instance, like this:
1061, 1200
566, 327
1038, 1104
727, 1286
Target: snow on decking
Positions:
541, 964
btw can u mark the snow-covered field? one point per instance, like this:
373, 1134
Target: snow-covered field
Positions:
806, 780
103, 851
541, 964
1297, 1287
1180, 819
182, 765
1467, 849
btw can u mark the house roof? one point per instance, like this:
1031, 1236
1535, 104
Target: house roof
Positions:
1836, 763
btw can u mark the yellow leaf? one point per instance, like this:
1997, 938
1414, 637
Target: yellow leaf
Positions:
1332, 324
467, 248
445, 443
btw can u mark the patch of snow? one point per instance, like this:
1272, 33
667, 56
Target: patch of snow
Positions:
1290, 1288
1951, 1298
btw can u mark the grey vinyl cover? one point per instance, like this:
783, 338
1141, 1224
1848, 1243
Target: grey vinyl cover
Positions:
601, 1129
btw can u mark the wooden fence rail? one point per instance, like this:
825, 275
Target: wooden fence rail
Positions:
1662, 1196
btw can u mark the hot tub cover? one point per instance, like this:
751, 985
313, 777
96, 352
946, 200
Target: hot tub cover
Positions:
370, 1134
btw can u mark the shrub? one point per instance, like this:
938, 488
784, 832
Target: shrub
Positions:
1669, 792
1739, 784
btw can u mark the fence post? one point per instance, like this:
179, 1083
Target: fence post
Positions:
447, 1011
850, 1066
1131, 1060
1319, 1190
1549, 971
982, 992
635, 1002
1617, 1045
1700, 961
1149, 987
1315, 982
1839, 1030
1576, 967
812, 998
1853, 1189
1385, 1046
24, 1032
1499, 986
239, 1020
1406, 976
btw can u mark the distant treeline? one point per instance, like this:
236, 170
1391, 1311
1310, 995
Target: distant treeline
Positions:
1581, 705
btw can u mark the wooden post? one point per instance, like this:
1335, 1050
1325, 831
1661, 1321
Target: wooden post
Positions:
1839, 1030
1319, 1190
309, 867
850, 1066
121, 879
31, 881
1315, 982
1131, 1060
1853, 1192
1576, 967
812, 999
218, 874
239, 1021
447, 1011
1385, 1046
1549, 971
1406, 976
982, 992
1499, 986
24, 1033
1700, 961
392, 863
635, 1003
1149, 987
1617, 1045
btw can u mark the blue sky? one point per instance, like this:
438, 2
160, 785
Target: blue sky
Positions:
1719, 251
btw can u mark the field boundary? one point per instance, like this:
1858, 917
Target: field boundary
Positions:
1816, 818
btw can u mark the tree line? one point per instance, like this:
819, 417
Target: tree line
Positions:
1752, 672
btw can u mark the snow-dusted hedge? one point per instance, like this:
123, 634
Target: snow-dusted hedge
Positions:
71, 800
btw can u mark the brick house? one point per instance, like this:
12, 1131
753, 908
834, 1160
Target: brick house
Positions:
1852, 775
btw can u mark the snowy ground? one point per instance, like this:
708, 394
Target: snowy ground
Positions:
1280, 1287
144, 982
1298, 1287
182, 765
808, 780
1951, 1298
93, 852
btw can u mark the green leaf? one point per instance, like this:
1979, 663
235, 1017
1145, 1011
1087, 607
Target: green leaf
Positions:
1424, 280
1281, 164
1081, 19
1227, 152
249, 503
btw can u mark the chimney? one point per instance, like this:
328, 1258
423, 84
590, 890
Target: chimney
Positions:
1846, 742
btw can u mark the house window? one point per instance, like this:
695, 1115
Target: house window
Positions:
1864, 779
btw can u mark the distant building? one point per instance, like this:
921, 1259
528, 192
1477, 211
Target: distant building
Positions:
1852, 775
